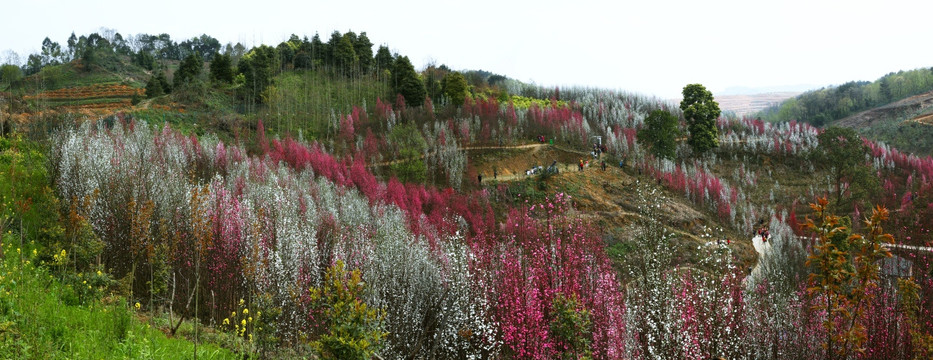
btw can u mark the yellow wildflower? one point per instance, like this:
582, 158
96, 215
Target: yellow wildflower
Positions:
241, 302
250, 319
226, 321
243, 322
137, 306
99, 273
245, 311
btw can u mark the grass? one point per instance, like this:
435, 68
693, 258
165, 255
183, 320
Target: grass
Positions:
187, 123
38, 319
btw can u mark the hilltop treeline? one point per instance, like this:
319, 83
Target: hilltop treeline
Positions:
823, 106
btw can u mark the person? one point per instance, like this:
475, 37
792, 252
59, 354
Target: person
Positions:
479, 179
581, 165
603, 164
495, 174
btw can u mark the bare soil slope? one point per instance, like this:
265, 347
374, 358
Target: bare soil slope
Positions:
918, 104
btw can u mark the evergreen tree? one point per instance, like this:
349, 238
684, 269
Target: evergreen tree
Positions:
318, 49
364, 51
383, 59
144, 59
455, 87
344, 55
51, 52
221, 68
189, 70
331, 47
701, 112
72, 44
154, 87
405, 81
258, 67
166, 86
660, 134
33, 64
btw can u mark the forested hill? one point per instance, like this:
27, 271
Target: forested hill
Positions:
823, 106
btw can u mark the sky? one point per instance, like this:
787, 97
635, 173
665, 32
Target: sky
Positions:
652, 47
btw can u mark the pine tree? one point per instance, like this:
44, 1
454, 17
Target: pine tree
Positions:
405, 81
221, 69
364, 51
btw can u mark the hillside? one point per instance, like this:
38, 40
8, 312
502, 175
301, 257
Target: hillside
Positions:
906, 124
320, 200
826, 105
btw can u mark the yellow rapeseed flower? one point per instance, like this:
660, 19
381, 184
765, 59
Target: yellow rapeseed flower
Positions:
226, 321
137, 306
241, 302
245, 311
99, 273
243, 322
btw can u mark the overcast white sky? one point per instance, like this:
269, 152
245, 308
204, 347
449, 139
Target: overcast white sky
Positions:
647, 46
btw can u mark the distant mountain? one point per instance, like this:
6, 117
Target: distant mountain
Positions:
749, 104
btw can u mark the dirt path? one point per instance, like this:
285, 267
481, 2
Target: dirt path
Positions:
468, 148
763, 249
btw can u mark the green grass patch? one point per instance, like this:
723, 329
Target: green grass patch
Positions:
38, 321
187, 123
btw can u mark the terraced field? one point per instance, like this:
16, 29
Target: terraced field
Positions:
97, 98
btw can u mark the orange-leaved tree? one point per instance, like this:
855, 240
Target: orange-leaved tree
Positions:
844, 268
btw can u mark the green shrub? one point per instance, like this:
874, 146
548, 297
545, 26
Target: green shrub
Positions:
571, 327
354, 330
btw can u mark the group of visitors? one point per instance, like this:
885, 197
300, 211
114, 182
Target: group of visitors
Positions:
598, 150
